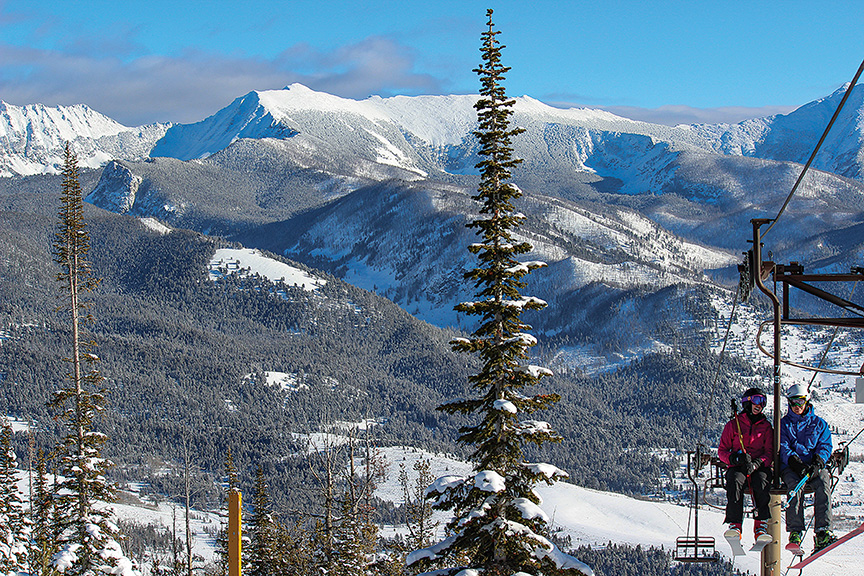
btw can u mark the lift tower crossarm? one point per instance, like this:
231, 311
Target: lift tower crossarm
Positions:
800, 281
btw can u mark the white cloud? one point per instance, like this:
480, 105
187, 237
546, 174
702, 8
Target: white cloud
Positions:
189, 87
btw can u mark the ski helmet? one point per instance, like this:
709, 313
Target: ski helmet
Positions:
798, 391
747, 398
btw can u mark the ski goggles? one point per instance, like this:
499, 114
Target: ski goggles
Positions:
758, 399
798, 401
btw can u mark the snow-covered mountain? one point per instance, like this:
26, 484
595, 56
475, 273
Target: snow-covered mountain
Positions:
32, 138
629, 215
421, 135
792, 137
433, 132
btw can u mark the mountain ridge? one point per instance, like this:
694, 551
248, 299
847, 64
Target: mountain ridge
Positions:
427, 125
32, 138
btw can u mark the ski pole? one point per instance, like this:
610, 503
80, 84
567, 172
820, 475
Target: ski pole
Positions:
794, 492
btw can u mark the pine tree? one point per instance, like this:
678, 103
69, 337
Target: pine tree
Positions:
355, 535
293, 551
14, 526
498, 527
262, 527
87, 535
44, 537
418, 511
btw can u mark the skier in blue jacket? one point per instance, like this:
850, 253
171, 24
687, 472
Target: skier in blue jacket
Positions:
805, 447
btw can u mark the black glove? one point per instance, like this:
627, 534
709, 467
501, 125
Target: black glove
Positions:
740, 459
818, 463
753, 466
797, 465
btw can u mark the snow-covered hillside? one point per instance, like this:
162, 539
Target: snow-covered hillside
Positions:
32, 138
423, 134
588, 517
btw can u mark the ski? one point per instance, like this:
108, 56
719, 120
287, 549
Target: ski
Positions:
761, 541
734, 539
795, 549
816, 555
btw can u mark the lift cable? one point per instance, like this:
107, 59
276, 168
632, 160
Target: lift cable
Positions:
819, 145
830, 342
816, 369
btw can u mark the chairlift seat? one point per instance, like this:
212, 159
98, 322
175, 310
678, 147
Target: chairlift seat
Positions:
692, 549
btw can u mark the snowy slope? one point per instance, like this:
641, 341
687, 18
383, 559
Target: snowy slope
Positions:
424, 134
246, 262
32, 138
594, 518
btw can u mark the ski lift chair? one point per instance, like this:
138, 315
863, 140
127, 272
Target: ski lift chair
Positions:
696, 548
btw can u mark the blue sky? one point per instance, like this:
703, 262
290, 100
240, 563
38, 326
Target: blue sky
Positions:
667, 61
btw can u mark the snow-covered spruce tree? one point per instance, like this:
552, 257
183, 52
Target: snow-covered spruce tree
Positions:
14, 525
498, 528
262, 550
87, 534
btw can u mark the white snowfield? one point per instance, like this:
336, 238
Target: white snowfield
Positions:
247, 261
32, 138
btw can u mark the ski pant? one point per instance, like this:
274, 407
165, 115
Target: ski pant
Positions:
821, 483
737, 484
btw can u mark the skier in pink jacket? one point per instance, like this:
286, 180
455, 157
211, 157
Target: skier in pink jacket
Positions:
747, 448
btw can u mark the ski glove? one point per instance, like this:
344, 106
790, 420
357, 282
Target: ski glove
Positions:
815, 466
740, 459
753, 466
797, 465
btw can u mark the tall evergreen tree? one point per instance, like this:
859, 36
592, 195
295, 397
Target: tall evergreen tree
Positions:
87, 535
262, 551
14, 526
498, 527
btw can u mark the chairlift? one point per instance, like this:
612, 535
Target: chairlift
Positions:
696, 548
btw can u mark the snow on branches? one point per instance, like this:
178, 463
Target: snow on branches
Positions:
497, 525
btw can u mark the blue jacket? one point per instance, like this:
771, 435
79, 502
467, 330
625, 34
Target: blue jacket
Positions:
806, 435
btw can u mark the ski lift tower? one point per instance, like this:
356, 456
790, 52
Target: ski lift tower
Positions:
793, 276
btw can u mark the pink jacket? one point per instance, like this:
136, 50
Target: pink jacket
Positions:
758, 439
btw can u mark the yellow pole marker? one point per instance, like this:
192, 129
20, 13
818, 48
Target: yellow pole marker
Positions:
235, 532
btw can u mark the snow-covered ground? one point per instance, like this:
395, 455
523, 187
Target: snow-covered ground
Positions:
595, 518
246, 261
588, 517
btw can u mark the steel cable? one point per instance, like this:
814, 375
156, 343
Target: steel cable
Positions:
818, 145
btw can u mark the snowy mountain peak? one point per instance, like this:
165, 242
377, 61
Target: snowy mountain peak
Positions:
32, 138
